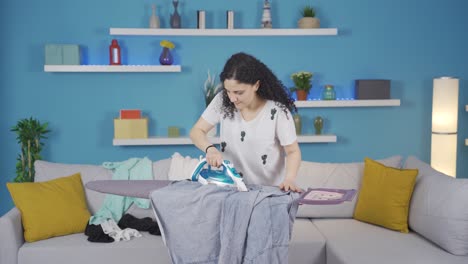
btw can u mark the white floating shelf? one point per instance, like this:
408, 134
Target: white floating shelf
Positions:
215, 140
223, 32
347, 103
466, 142
112, 68
466, 108
316, 138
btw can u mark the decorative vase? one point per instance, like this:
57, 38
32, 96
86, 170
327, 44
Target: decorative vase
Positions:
318, 125
166, 57
297, 123
154, 20
308, 22
328, 93
175, 17
301, 95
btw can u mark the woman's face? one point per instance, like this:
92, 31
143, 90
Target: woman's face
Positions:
241, 95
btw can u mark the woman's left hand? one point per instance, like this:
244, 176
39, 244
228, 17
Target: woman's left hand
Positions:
289, 185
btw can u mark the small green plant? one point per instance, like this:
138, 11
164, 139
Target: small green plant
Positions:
211, 88
29, 134
308, 11
302, 81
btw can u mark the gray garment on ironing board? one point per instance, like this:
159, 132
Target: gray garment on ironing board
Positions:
212, 224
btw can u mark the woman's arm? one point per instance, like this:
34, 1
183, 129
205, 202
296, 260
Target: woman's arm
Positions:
293, 161
198, 137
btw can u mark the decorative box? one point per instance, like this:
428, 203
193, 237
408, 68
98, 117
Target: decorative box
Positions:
60, 54
372, 89
130, 128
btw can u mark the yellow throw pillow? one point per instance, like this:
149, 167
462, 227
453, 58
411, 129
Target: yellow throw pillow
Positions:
52, 208
385, 196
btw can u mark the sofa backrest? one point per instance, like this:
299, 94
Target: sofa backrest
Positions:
48, 170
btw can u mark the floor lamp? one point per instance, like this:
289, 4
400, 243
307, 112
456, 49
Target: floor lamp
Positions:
444, 125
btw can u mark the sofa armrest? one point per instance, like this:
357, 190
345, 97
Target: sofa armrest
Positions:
12, 237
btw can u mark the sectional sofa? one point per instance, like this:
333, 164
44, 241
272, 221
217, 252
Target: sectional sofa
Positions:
438, 222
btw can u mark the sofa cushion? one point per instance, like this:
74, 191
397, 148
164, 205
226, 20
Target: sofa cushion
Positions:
385, 196
439, 208
353, 242
52, 208
307, 245
334, 175
76, 249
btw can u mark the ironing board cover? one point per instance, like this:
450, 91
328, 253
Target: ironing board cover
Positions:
325, 196
131, 188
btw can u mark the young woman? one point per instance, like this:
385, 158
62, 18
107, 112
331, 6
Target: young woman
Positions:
256, 126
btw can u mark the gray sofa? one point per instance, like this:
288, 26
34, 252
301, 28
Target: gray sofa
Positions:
321, 234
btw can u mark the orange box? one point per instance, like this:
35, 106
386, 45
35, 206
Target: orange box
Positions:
130, 114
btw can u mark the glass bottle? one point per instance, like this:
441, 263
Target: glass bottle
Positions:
297, 123
318, 125
328, 92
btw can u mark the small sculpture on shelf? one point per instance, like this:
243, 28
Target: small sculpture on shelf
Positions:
154, 19
175, 17
266, 16
166, 57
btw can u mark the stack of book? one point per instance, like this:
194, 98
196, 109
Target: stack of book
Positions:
130, 124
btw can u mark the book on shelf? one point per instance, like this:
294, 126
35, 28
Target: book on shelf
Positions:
130, 114
324, 196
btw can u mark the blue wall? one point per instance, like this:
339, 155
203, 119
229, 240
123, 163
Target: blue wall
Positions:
409, 42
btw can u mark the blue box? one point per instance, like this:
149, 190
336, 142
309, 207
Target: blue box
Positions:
53, 54
62, 54
71, 54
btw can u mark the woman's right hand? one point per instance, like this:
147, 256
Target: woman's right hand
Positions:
214, 157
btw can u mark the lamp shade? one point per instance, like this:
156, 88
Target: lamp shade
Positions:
444, 125
445, 105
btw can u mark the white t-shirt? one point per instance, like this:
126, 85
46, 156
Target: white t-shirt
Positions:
255, 147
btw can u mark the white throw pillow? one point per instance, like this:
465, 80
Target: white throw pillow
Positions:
439, 208
181, 168
334, 175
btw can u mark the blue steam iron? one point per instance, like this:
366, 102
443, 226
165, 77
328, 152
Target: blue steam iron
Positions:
228, 176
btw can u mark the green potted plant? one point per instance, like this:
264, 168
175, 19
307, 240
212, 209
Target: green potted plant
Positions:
29, 133
302, 84
308, 19
211, 89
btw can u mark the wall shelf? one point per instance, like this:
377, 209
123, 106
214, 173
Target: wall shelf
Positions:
223, 32
215, 140
347, 103
113, 68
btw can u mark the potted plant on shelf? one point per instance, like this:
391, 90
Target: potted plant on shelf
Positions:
302, 84
210, 90
308, 19
29, 134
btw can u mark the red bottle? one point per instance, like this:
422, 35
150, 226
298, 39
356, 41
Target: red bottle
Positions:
114, 53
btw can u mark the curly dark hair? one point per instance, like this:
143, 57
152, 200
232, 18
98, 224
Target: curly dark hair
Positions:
247, 69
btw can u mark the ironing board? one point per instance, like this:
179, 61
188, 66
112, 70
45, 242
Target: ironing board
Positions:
131, 188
